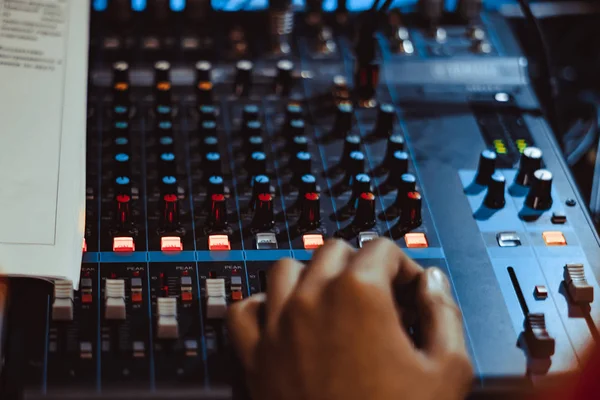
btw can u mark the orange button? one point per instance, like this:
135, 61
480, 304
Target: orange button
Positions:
123, 244
218, 242
84, 246
171, 243
416, 240
554, 238
312, 242
136, 297
163, 86
121, 86
236, 295
186, 296
86, 298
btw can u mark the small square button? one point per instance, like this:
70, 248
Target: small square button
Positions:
218, 243
187, 296
416, 240
236, 295
508, 239
312, 241
136, 282
554, 238
366, 237
123, 244
558, 217
171, 243
266, 241
186, 281
540, 292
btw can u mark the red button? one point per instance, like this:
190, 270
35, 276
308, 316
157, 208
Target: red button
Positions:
123, 244
236, 295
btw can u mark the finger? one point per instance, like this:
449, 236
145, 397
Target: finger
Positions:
439, 316
281, 282
244, 330
326, 263
383, 263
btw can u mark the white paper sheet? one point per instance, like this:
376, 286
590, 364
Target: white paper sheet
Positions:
43, 88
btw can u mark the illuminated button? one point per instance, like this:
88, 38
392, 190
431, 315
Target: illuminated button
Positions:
114, 295
62, 307
86, 298
579, 289
191, 348
365, 237
123, 244
558, 218
554, 238
508, 239
139, 349
171, 243
266, 241
540, 292
85, 350
186, 288
84, 246
312, 241
186, 296
167, 326
236, 283
218, 242
236, 295
416, 240
136, 295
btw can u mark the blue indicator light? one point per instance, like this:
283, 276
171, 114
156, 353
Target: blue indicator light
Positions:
169, 180
138, 5
165, 125
121, 141
166, 140
177, 5
122, 157
122, 180
100, 5
215, 180
167, 156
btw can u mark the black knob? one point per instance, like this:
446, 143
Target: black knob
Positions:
243, 78
351, 144
343, 119
366, 79
398, 167
169, 219
122, 185
166, 143
215, 185
120, 129
293, 111
295, 127
495, 193
365, 212
207, 113
251, 112
385, 120
210, 144
168, 185
203, 71
308, 184
354, 166
257, 163
167, 164
260, 184
394, 143
540, 193
255, 143
204, 86
122, 218
120, 72
411, 212
252, 128
208, 128
360, 184
162, 86
301, 165
284, 79
217, 213
162, 70
122, 163
121, 84
212, 164
531, 161
298, 144
487, 166
310, 212
264, 217
407, 184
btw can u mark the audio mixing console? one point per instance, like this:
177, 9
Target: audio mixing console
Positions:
216, 146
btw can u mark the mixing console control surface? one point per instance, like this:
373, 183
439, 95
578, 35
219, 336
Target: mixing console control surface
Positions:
211, 156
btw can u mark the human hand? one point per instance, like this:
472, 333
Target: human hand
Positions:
333, 330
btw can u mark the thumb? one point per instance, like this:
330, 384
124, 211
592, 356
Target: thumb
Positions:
439, 316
